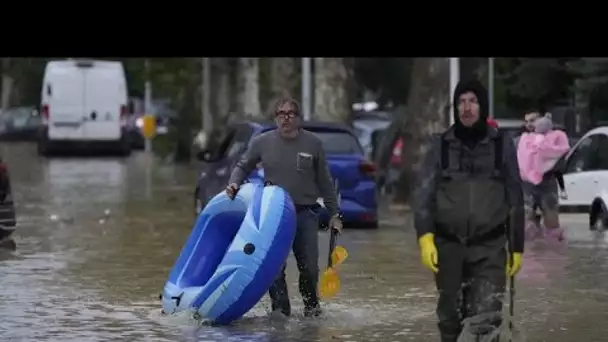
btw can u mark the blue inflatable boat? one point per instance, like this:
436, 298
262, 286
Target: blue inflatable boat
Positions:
235, 251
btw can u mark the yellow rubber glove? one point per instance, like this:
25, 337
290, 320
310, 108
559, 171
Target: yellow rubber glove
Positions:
428, 252
518, 259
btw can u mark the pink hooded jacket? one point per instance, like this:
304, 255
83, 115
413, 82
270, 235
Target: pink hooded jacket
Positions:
537, 153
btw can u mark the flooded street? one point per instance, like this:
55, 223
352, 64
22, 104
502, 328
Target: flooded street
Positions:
97, 237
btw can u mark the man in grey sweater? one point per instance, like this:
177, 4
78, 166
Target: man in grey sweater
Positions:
294, 159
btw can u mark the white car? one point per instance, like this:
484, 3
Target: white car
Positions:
586, 178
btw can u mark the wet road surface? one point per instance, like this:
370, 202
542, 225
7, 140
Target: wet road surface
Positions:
96, 239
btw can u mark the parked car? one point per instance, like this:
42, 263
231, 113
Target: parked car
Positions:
347, 164
365, 127
20, 124
8, 221
387, 154
586, 178
394, 167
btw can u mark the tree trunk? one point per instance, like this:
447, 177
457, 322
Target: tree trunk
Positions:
7, 84
248, 84
581, 104
332, 98
221, 91
427, 103
182, 145
205, 95
283, 79
187, 96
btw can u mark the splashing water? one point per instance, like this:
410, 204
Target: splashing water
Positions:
476, 329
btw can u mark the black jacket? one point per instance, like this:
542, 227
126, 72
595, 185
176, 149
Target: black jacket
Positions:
471, 195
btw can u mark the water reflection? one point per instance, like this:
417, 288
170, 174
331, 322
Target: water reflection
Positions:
97, 277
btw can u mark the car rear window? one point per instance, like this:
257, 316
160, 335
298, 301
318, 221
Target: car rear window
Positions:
334, 142
339, 142
19, 116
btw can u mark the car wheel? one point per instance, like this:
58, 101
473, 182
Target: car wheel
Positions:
43, 149
372, 225
124, 148
125, 151
598, 218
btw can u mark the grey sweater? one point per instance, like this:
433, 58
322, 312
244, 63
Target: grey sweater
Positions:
297, 165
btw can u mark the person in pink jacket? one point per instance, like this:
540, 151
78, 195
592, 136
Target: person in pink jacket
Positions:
538, 154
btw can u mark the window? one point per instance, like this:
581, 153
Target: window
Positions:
602, 152
221, 140
335, 141
359, 132
377, 137
513, 132
241, 139
18, 117
339, 142
584, 157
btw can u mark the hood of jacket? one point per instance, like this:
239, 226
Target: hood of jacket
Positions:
471, 135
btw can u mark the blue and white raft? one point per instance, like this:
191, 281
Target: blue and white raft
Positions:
234, 253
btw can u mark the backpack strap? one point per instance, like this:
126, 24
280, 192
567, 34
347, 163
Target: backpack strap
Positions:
445, 153
498, 151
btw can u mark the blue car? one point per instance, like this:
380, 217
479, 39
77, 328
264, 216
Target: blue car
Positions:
348, 166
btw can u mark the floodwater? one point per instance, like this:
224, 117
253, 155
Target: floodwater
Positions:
97, 237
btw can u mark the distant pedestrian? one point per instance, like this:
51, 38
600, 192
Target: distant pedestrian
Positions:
530, 118
538, 155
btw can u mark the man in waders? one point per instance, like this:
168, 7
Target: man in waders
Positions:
468, 201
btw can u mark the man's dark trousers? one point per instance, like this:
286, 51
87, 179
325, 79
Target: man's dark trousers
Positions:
471, 281
306, 252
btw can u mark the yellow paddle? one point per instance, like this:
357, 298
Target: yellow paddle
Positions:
329, 285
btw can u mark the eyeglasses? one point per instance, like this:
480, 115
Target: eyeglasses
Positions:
289, 114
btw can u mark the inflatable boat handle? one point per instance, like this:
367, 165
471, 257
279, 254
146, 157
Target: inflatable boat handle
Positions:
245, 181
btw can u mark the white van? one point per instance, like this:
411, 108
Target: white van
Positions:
84, 105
